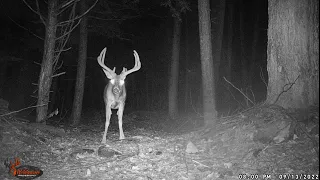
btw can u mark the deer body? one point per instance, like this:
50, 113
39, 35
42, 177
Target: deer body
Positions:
115, 92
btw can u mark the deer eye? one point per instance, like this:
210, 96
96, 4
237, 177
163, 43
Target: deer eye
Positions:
112, 81
121, 82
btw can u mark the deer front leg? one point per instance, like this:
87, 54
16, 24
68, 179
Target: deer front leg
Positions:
108, 116
120, 114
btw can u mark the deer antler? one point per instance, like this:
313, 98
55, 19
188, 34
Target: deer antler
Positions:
136, 67
109, 73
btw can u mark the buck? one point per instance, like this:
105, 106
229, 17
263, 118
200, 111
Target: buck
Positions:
114, 94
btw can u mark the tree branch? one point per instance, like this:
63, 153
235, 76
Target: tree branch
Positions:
39, 13
64, 6
238, 90
28, 5
59, 74
25, 28
284, 89
12, 112
78, 17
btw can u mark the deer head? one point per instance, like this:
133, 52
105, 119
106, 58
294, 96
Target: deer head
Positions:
118, 80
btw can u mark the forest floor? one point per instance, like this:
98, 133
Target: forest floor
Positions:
157, 148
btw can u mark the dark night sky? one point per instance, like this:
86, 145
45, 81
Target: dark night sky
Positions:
149, 33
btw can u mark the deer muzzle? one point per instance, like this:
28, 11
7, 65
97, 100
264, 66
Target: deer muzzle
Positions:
116, 90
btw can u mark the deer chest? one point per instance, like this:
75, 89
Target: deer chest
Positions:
115, 105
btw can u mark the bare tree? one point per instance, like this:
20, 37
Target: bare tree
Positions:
45, 77
81, 70
228, 67
209, 107
56, 37
176, 7
218, 39
293, 53
174, 73
187, 71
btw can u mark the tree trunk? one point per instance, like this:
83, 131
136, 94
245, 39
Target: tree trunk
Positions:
187, 71
293, 53
229, 50
81, 73
209, 108
47, 61
218, 40
173, 82
53, 97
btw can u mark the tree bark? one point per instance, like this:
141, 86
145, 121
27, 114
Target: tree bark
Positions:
53, 97
187, 71
293, 53
209, 108
81, 73
45, 77
174, 74
228, 66
218, 40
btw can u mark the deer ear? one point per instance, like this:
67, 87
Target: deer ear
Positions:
108, 74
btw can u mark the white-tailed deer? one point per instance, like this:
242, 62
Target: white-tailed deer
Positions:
114, 94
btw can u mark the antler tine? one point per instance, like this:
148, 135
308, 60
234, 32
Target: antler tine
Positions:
106, 70
137, 65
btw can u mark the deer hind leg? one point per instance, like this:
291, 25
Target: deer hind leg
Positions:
120, 114
108, 116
